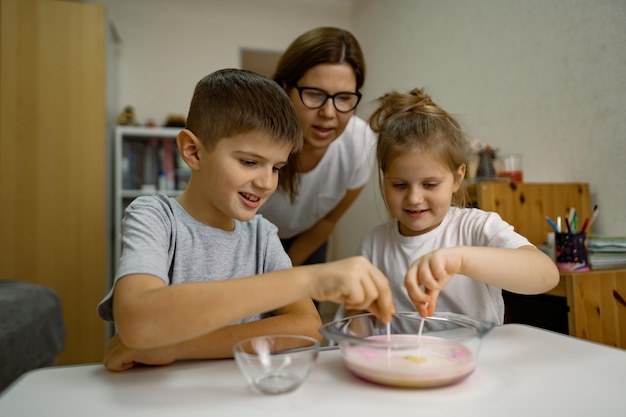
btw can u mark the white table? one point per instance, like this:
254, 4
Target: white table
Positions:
522, 371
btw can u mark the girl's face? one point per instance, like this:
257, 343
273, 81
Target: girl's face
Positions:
322, 126
418, 190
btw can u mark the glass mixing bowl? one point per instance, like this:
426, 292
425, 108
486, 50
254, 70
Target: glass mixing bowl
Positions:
409, 352
276, 364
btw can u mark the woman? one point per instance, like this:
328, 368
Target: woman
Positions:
322, 71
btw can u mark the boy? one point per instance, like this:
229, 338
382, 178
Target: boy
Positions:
172, 296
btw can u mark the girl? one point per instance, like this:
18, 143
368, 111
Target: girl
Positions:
437, 255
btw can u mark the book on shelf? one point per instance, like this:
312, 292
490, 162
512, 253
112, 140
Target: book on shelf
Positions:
135, 165
168, 158
183, 172
152, 164
606, 251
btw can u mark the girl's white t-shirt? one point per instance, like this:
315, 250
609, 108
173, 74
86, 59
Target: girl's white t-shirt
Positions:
393, 253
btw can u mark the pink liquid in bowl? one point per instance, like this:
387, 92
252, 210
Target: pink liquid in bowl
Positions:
434, 362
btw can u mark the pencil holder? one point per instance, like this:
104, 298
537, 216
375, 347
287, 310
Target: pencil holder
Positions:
571, 252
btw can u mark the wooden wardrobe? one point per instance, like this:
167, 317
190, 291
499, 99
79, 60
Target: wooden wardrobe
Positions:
53, 159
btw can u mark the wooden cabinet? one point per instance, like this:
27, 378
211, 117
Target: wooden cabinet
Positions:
526, 205
590, 305
53, 160
597, 305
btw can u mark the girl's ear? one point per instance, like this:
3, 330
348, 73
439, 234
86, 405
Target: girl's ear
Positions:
189, 147
459, 176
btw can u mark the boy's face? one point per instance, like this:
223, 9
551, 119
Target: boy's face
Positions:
418, 190
238, 176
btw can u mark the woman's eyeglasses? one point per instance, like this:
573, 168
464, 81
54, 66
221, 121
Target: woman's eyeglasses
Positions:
314, 98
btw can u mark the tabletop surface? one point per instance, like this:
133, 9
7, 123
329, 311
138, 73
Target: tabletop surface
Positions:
521, 371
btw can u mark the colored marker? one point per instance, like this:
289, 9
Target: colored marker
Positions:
556, 229
569, 228
592, 219
570, 215
585, 225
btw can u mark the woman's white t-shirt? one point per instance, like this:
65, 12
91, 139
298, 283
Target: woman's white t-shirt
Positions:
346, 165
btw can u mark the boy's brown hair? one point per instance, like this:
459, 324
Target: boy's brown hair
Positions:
229, 102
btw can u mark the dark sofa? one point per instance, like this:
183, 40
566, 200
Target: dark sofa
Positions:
32, 332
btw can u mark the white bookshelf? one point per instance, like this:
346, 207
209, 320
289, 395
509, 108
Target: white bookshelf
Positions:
139, 157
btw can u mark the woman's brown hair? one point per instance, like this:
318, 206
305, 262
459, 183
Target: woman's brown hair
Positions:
323, 45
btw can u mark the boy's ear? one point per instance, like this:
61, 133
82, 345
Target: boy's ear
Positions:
189, 148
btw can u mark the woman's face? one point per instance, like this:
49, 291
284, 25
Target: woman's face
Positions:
322, 126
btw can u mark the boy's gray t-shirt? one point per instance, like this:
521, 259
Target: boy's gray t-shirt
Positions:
160, 238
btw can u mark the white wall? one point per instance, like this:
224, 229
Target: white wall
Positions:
169, 45
545, 78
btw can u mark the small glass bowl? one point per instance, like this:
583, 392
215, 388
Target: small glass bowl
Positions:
444, 352
276, 364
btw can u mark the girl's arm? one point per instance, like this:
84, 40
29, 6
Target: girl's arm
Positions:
525, 270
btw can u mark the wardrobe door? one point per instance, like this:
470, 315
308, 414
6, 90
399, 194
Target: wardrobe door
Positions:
52, 159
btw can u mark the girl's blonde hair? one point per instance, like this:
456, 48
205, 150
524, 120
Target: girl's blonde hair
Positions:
408, 122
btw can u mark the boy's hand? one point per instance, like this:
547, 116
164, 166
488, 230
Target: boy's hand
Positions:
432, 271
356, 283
119, 357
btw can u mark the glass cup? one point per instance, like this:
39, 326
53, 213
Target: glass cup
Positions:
510, 166
472, 165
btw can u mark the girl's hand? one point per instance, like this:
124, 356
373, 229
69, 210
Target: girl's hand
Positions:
427, 276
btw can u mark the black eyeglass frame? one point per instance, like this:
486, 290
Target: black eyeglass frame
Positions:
328, 96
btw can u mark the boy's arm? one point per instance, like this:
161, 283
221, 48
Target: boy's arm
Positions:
525, 270
300, 317
148, 313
